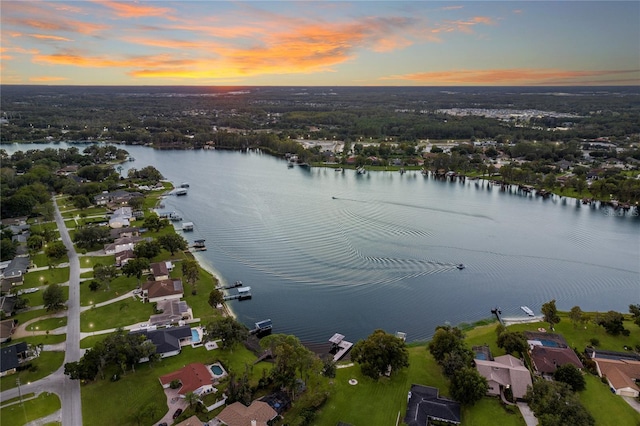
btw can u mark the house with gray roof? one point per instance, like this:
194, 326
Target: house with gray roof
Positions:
168, 341
11, 357
425, 405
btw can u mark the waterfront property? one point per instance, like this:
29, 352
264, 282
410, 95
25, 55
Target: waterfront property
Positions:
195, 377
505, 372
621, 370
168, 341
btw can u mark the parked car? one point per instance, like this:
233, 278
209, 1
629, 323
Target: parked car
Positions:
177, 413
163, 424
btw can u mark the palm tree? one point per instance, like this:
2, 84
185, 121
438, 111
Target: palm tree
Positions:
192, 399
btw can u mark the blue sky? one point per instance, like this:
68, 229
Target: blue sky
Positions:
329, 43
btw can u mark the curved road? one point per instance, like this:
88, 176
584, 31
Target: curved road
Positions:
68, 390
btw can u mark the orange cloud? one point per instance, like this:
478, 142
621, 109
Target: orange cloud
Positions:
49, 37
46, 79
53, 25
505, 77
136, 10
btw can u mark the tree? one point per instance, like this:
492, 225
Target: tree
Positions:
569, 374
635, 311
446, 339
215, 298
554, 403
513, 341
228, 330
172, 242
291, 357
91, 237
612, 321
152, 222
55, 250
550, 313
105, 274
576, 316
148, 249
81, 201
9, 249
53, 297
136, 267
191, 399
35, 242
379, 352
190, 271
94, 285
468, 386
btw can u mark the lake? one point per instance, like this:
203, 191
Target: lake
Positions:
335, 252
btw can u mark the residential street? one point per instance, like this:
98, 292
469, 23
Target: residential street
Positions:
68, 390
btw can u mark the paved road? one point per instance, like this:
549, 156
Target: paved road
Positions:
68, 390
71, 402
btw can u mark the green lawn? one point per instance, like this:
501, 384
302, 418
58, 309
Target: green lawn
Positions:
92, 211
91, 261
38, 228
90, 341
46, 276
353, 404
118, 314
607, 408
578, 337
46, 339
47, 324
20, 414
119, 400
119, 286
35, 299
39, 259
45, 364
29, 315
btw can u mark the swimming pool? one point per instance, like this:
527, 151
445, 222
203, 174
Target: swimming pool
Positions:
480, 355
549, 343
195, 336
217, 370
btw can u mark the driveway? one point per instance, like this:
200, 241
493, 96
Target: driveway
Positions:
529, 418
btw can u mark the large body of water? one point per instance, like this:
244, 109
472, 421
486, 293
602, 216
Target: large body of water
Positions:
328, 252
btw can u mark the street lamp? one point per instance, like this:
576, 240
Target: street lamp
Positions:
21, 403
91, 327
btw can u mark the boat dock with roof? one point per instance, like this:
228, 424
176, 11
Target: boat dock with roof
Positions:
339, 346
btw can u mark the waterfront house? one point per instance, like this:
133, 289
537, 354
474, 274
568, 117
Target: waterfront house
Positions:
168, 341
195, 377
259, 413
547, 359
159, 271
156, 291
424, 405
621, 370
505, 372
173, 311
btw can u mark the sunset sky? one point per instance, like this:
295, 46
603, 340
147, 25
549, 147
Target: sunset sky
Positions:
325, 43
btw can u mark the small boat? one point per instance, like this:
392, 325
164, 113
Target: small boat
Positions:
460, 266
338, 169
527, 311
187, 226
184, 185
361, 170
180, 191
290, 165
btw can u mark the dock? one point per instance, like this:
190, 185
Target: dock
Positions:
187, 226
198, 245
262, 328
527, 311
243, 293
339, 345
230, 286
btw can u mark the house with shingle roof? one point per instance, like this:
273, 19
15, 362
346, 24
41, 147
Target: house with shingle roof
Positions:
11, 357
195, 377
425, 405
622, 375
505, 372
547, 359
238, 414
168, 341
155, 291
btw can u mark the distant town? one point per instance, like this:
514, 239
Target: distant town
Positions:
105, 305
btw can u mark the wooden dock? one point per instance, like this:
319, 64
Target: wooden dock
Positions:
340, 345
